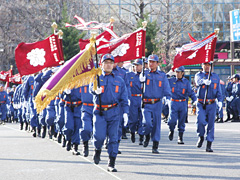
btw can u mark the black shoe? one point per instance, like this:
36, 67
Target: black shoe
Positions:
220, 121
85, 149
208, 148
34, 132
146, 142
75, 150
133, 137
111, 164
39, 132
96, 156
155, 147
119, 152
200, 141
180, 138
44, 131
124, 136
141, 139
170, 135
59, 139
26, 126
69, 145
64, 142
21, 126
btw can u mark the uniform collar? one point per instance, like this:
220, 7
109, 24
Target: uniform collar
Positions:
104, 74
157, 71
176, 79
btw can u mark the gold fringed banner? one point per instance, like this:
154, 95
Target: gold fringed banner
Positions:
78, 71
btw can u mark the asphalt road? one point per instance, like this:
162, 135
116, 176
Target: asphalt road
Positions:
23, 157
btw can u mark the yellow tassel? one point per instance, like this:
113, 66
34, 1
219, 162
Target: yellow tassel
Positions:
70, 80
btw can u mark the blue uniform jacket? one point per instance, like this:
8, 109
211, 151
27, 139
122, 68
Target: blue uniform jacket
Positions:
214, 91
122, 73
157, 85
134, 82
114, 89
181, 89
4, 97
27, 88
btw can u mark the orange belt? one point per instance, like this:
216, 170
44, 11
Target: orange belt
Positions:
136, 94
88, 104
208, 101
72, 103
106, 107
178, 100
151, 101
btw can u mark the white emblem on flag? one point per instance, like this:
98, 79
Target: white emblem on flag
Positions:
193, 55
120, 50
36, 57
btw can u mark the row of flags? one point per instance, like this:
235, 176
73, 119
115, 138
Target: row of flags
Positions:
79, 70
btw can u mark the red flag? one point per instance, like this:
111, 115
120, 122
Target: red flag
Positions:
129, 46
4, 76
196, 53
101, 39
33, 57
16, 79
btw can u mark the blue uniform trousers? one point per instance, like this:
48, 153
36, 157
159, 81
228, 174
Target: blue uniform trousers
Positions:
135, 115
178, 112
87, 123
73, 124
3, 111
42, 117
152, 120
50, 115
34, 122
60, 120
19, 115
24, 111
106, 125
206, 117
120, 123
235, 106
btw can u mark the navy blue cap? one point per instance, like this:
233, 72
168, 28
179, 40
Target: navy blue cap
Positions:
236, 76
153, 57
181, 68
106, 57
138, 62
207, 62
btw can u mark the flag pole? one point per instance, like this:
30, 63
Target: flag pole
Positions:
94, 35
144, 24
209, 74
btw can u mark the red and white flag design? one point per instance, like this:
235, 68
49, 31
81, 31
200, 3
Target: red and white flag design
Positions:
33, 57
196, 52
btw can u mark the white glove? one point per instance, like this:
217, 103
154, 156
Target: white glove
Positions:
220, 105
231, 98
207, 82
67, 91
129, 102
34, 105
195, 103
142, 78
168, 102
25, 104
125, 119
228, 98
98, 90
